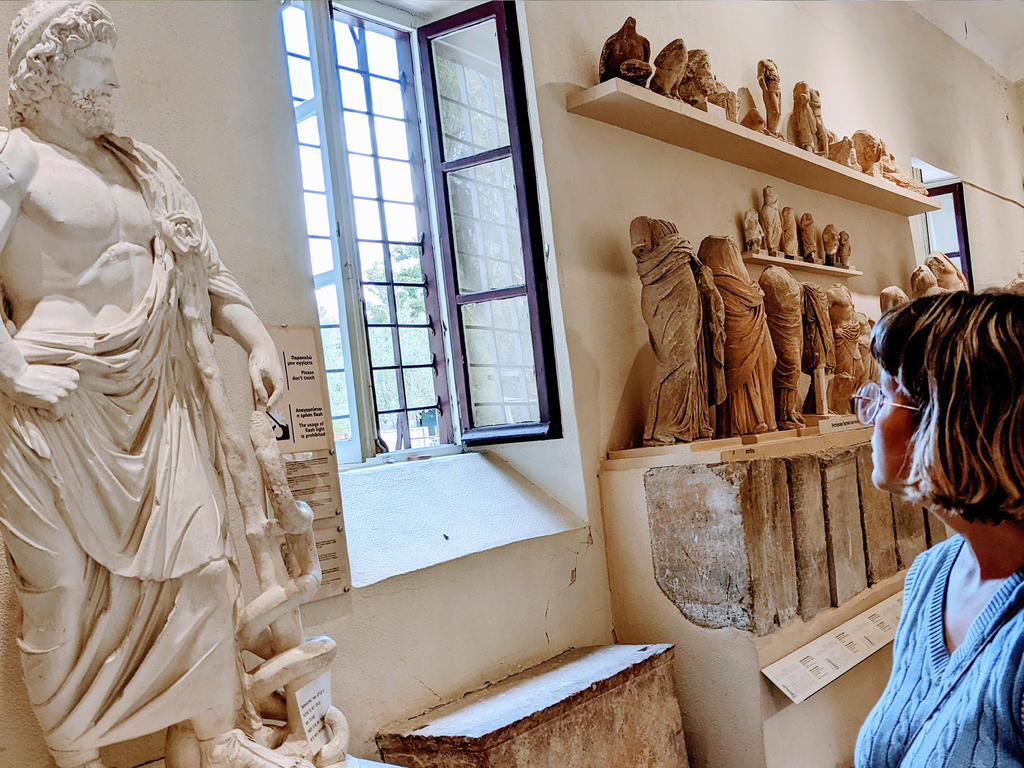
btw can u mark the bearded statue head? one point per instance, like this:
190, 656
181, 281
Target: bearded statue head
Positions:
45, 36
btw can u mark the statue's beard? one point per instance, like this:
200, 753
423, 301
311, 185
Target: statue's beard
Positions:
88, 111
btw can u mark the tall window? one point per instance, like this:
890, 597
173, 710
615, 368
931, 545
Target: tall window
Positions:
382, 292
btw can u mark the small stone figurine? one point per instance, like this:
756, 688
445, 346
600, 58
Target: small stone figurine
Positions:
753, 235
923, 283
626, 54
820, 132
771, 89
802, 123
790, 241
771, 221
809, 240
893, 296
947, 274
842, 152
845, 331
669, 66
830, 242
754, 120
699, 86
868, 148
843, 259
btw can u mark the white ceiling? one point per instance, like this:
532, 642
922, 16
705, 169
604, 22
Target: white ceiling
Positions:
992, 29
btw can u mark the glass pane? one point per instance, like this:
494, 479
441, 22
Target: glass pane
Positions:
327, 304
387, 98
353, 92
419, 387
357, 133
308, 131
371, 262
472, 96
375, 301
294, 22
387, 431
334, 354
385, 385
411, 305
499, 356
312, 168
345, 40
423, 428
300, 75
362, 175
317, 219
338, 393
382, 54
320, 255
382, 346
342, 429
367, 219
396, 181
485, 226
392, 140
401, 220
942, 235
405, 264
415, 344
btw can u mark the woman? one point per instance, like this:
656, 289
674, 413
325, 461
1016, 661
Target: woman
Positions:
949, 432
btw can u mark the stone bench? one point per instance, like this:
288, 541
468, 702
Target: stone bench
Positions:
601, 707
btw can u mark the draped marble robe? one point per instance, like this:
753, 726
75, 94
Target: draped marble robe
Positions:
749, 407
685, 332
819, 349
116, 514
783, 301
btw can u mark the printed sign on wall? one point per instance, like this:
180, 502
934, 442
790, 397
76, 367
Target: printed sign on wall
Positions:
301, 417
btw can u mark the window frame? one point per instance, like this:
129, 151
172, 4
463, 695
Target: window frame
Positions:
963, 255
520, 151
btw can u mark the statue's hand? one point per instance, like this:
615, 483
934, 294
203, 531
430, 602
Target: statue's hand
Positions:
267, 375
46, 387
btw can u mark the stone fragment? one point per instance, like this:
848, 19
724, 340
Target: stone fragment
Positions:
876, 516
808, 535
846, 568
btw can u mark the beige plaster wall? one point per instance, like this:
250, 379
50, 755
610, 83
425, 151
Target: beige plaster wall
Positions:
204, 82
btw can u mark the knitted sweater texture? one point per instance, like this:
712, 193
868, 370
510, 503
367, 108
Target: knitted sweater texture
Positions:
964, 710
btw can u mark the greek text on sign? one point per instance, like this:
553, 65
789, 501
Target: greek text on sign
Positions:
301, 418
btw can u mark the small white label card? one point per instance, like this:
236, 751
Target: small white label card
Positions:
811, 667
314, 699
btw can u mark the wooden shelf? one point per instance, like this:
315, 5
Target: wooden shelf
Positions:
642, 111
799, 265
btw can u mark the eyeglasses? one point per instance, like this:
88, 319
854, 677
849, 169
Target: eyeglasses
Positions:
869, 401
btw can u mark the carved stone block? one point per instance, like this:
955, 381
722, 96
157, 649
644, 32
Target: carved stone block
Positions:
847, 573
810, 544
876, 515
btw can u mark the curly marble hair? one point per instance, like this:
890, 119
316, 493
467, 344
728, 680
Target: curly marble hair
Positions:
44, 36
960, 357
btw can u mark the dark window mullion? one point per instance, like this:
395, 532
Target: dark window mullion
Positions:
480, 158
495, 294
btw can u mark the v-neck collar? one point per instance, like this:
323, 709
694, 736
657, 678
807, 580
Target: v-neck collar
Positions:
984, 623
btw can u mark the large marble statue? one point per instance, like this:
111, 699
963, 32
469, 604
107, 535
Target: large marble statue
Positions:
771, 221
846, 332
783, 302
749, 407
819, 348
686, 320
771, 89
114, 430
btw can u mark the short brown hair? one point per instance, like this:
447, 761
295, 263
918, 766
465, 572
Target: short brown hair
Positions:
960, 356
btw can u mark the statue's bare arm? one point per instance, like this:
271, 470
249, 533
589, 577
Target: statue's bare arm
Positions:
37, 386
240, 323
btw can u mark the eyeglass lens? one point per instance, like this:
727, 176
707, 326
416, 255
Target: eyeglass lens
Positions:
867, 401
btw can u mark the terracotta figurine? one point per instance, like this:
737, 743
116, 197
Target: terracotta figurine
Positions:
845, 331
790, 240
819, 348
842, 152
867, 366
820, 132
771, 221
699, 86
749, 407
626, 54
753, 234
669, 66
809, 240
673, 299
843, 259
947, 274
893, 296
830, 242
923, 283
783, 303
771, 89
868, 148
803, 126
754, 120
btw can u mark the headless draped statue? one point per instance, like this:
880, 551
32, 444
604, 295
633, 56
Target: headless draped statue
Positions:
686, 320
783, 301
819, 348
749, 407
846, 330
114, 433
